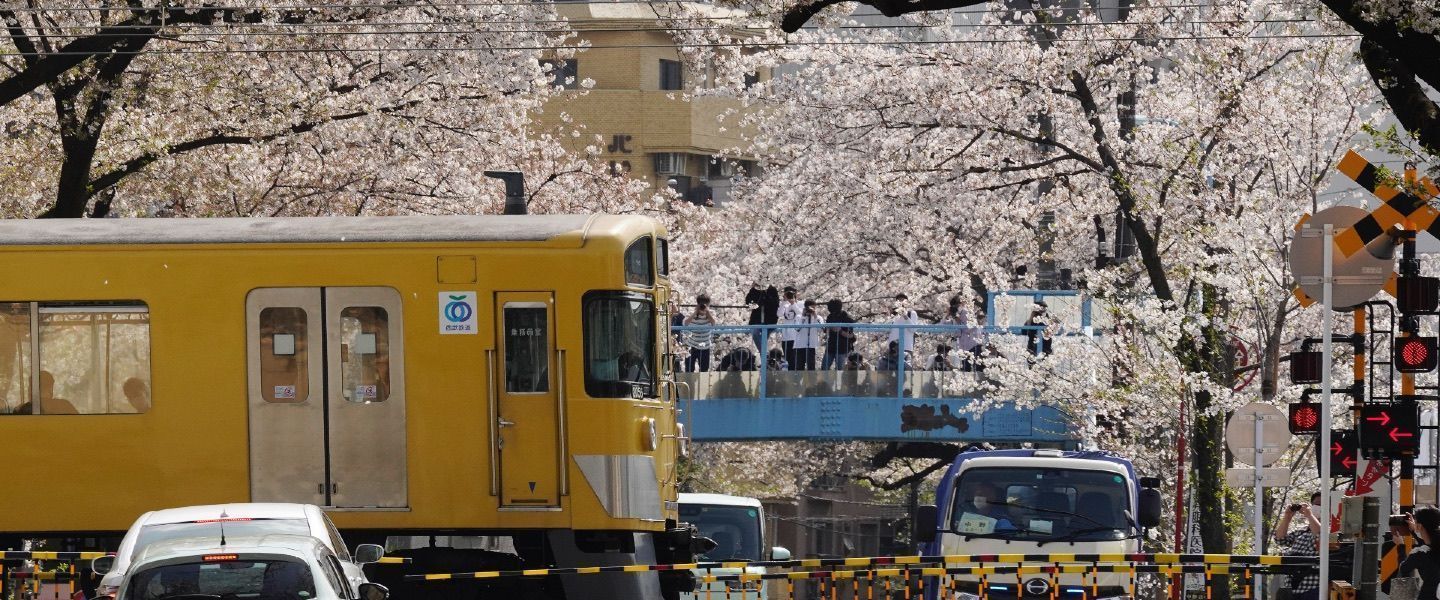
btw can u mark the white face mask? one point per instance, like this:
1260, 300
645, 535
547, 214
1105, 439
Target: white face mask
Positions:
981, 502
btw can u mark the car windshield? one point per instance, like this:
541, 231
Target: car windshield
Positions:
1041, 504
734, 529
270, 579
234, 528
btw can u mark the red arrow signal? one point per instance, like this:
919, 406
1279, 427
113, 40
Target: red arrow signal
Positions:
1396, 434
1348, 462
1336, 449
1384, 419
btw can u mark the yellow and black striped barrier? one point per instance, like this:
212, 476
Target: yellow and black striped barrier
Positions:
37, 555
394, 560
1015, 570
1087, 561
43, 576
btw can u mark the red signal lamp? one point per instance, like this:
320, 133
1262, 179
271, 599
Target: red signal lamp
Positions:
1416, 354
1304, 418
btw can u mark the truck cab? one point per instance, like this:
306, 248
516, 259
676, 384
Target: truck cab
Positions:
1038, 502
737, 526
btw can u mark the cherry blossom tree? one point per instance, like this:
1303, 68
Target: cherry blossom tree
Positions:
376, 108
937, 159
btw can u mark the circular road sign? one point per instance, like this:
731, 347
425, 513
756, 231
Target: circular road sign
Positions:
1274, 433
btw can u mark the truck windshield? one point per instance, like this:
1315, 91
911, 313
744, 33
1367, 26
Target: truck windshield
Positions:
257, 579
1041, 504
734, 529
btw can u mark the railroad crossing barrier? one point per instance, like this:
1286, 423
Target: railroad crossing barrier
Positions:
1062, 575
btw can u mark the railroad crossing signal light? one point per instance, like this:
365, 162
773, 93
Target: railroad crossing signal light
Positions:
1417, 294
1304, 418
1390, 430
1342, 451
1305, 367
1415, 354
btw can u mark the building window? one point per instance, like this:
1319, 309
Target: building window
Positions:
751, 79
671, 77
563, 73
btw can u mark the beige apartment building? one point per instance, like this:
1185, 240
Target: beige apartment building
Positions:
638, 106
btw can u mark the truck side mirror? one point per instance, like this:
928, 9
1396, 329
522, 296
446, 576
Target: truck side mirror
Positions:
1149, 507
368, 553
925, 521
779, 553
103, 564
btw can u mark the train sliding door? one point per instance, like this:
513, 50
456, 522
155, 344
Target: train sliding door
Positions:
326, 401
528, 423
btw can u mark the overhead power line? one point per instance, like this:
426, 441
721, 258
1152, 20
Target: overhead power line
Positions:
374, 29
749, 45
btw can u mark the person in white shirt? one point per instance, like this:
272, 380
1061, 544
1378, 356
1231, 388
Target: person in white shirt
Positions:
903, 315
791, 309
807, 340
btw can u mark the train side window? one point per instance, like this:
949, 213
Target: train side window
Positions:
284, 355
619, 345
638, 259
94, 358
15, 358
365, 354
664, 266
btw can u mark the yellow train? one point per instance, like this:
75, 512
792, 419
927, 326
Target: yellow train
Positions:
432, 377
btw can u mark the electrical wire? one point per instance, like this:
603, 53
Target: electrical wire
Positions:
427, 5
745, 45
216, 30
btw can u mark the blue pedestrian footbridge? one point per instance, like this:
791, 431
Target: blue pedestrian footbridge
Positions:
744, 396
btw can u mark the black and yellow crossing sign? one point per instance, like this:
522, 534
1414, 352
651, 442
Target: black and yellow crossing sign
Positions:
1396, 205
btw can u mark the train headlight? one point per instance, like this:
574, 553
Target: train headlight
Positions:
651, 437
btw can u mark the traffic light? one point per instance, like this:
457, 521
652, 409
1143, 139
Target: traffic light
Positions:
1305, 367
1390, 430
1415, 354
1342, 451
1417, 294
1304, 418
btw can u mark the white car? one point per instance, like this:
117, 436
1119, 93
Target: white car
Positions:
737, 526
237, 520
270, 567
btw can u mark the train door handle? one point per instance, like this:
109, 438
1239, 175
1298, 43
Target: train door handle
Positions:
502, 422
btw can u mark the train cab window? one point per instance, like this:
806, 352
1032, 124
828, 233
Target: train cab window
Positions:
619, 345
365, 354
527, 352
94, 359
664, 264
284, 355
638, 258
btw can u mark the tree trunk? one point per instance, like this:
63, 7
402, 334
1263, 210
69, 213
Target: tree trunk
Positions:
72, 193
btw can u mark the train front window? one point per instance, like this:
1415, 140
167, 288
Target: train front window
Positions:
1041, 504
638, 258
619, 346
664, 257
